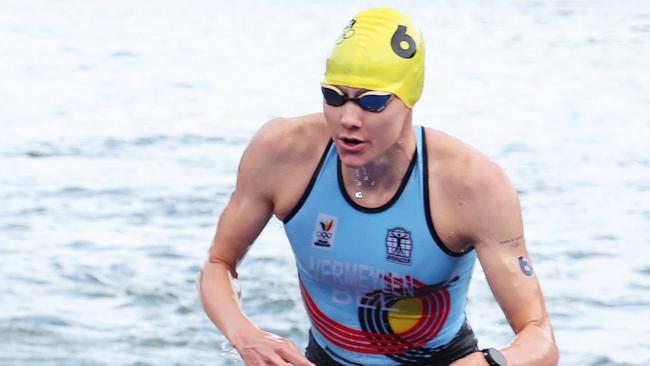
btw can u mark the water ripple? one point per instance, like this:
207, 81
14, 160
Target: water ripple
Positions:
116, 147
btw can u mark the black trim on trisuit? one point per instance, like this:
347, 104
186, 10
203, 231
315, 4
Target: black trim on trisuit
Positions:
427, 209
388, 204
310, 186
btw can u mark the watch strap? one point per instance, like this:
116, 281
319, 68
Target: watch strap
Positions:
494, 357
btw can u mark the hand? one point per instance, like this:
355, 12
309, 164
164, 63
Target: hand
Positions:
473, 359
260, 348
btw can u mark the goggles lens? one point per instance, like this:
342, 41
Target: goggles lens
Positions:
372, 101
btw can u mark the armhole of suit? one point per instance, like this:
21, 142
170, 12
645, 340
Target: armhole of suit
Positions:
427, 208
312, 181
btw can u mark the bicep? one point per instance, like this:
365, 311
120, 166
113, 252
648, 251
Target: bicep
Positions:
239, 225
502, 252
249, 209
513, 282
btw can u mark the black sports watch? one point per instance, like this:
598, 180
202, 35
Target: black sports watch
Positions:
494, 357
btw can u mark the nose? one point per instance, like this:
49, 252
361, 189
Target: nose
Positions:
350, 116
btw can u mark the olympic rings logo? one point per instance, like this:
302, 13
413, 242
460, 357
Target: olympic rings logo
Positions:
324, 235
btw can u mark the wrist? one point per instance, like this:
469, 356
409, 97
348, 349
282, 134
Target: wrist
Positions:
239, 336
493, 357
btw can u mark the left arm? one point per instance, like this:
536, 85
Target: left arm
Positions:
497, 231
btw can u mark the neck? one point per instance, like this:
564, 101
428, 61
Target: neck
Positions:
382, 175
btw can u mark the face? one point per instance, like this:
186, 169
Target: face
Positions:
362, 136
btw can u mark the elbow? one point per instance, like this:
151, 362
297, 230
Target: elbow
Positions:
217, 261
200, 284
553, 351
535, 345
214, 276
554, 354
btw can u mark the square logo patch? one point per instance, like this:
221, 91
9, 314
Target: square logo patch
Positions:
324, 231
399, 245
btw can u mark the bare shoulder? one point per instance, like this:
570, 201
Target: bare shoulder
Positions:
283, 154
460, 167
468, 191
287, 139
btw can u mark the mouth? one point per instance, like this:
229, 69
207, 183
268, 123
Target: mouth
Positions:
351, 141
351, 145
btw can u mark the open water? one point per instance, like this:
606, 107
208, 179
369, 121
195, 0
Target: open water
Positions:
123, 122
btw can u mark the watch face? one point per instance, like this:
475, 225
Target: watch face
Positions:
495, 357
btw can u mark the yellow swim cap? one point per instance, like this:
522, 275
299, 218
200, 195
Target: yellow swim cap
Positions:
380, 49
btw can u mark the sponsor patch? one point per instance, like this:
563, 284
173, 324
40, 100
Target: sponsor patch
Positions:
324, 231
399, 245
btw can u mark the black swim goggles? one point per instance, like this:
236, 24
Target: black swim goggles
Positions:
371, 101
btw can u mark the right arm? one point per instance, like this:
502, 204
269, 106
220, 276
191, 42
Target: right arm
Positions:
247, 212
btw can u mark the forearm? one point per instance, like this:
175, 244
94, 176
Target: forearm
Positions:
534, 345
220, 301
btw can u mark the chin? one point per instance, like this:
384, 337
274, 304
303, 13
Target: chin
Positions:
353, 161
